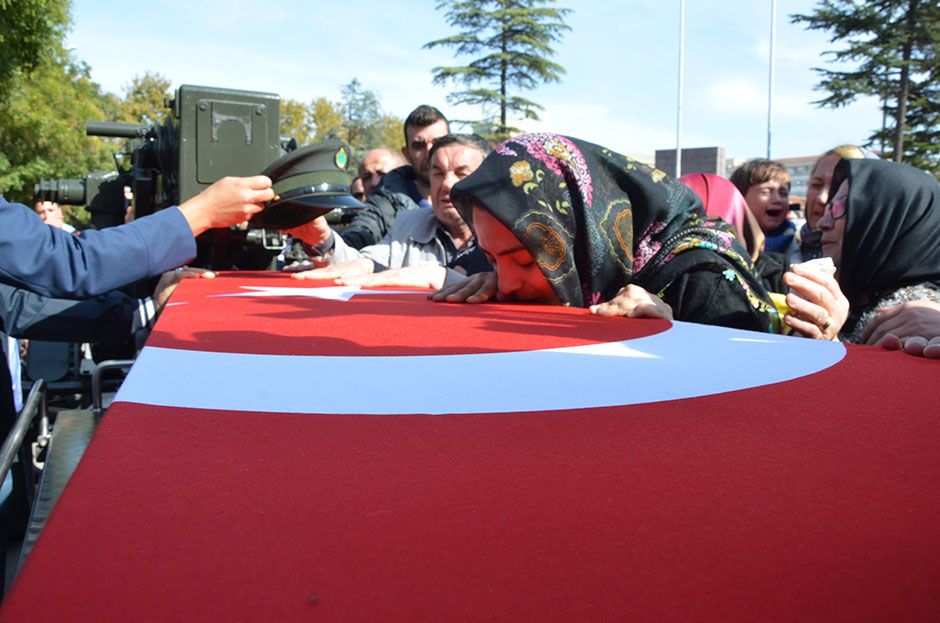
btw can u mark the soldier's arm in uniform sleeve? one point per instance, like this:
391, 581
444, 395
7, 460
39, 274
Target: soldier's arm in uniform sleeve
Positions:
106, 318
55, 263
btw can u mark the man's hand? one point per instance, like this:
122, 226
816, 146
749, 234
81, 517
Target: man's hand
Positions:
355, 268
477, 288
817, 300
634, 301
56, 219
303, 265
913, 327
170, 279
313, 233
230, 201
428, 276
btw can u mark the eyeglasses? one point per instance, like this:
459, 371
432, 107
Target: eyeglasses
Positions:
836, 207
360, 196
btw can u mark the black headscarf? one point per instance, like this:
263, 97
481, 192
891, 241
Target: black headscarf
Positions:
595, 220
892, 231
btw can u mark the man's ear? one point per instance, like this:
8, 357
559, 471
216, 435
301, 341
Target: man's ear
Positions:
404, 152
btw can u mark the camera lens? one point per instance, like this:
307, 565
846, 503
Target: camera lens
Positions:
69, 192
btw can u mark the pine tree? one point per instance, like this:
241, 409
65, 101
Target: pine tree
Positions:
512, 39
895, 45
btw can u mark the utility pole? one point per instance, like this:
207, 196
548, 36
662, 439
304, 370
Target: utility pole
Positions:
770, 82
681, 80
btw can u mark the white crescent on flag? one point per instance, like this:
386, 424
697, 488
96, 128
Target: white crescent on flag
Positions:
648, 369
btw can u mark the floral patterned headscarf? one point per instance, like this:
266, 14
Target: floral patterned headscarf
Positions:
595, 220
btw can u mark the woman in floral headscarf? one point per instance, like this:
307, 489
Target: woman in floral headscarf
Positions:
569, 222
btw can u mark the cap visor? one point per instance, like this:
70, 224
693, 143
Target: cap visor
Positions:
298, 210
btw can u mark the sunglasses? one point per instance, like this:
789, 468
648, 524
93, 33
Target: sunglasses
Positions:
836, 207
361, 196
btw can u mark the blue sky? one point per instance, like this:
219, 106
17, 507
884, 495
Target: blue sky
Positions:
621, 58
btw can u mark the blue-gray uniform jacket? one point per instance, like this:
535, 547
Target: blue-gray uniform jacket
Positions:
111, 318
52, 262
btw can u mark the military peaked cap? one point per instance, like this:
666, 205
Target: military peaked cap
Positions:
308, 182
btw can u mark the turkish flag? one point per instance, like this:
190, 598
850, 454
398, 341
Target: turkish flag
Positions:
292, 451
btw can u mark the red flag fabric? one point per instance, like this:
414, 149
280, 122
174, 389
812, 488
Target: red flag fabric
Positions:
285, 451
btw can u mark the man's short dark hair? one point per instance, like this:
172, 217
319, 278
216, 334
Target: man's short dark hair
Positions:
422, 117
469, 140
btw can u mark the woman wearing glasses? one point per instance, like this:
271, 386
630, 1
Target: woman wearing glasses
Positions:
817, 195
881, 229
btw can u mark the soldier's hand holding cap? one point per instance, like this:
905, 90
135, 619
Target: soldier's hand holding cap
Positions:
229, 201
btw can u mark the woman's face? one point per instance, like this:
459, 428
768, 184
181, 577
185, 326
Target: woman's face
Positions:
818, 192
519, 276
833, 229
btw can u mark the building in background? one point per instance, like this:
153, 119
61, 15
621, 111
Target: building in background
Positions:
799, 170
713, 160
694, 160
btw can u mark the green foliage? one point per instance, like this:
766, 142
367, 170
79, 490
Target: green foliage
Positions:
318, 121
512, 42
390, 132
358, 120
144, 99
326, 118
31, 33
42, 127
45, 98
893, 45
367, 127
294, 121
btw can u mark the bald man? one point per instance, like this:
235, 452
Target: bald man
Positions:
376, 164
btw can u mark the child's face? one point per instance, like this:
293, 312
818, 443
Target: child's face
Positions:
769, 202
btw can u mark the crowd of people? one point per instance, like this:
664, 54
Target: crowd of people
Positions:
558, 220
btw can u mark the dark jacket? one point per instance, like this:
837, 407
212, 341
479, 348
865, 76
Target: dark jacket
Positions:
386, 201
109, 317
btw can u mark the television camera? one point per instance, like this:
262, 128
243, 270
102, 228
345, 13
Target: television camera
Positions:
207, 134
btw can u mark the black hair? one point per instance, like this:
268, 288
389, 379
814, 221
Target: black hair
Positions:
470, 140
422, 117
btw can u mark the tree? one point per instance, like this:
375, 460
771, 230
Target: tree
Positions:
326, 118
42, 123
31, 32
514, 38
295, 122
358, 120
895, 45
366, 125
361, 114
923, 119
390, 132
144, 99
